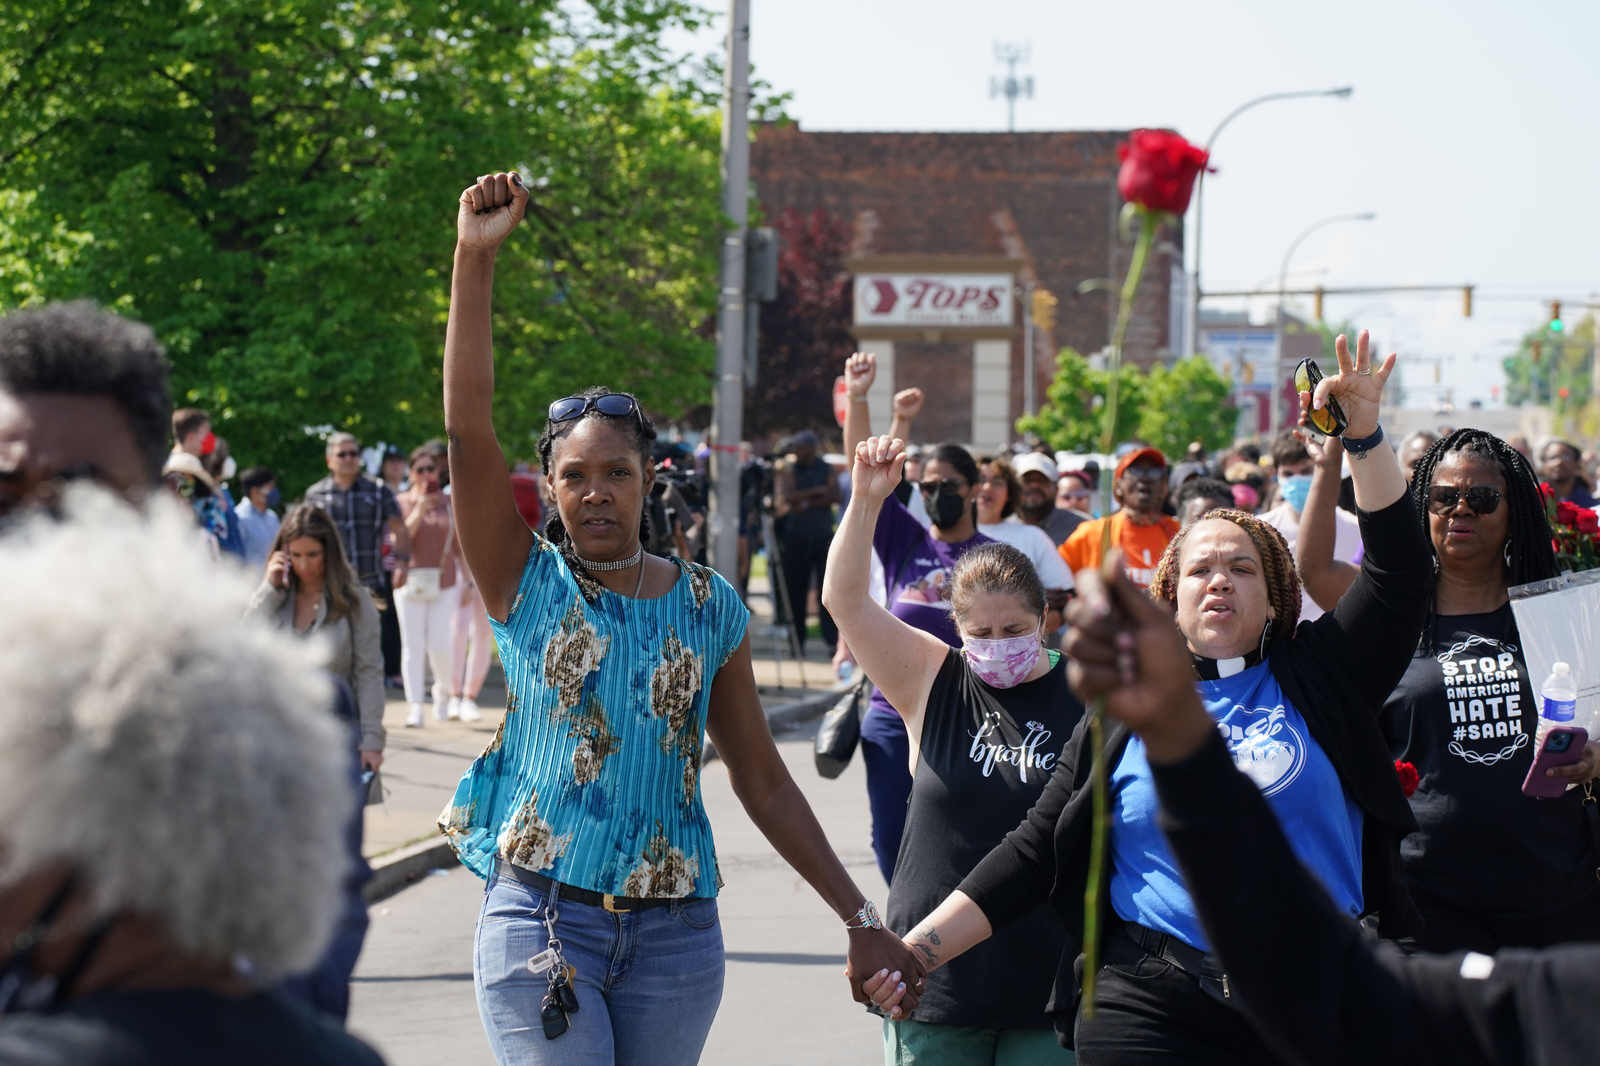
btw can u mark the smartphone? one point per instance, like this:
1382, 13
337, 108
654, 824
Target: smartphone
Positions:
1563, 746
1331, 420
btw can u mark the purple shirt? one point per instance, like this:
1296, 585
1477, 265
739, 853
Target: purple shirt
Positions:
917, 569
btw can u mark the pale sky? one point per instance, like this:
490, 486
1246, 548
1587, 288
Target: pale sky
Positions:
1472, 133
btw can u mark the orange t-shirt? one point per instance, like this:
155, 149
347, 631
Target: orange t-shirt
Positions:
1141, 545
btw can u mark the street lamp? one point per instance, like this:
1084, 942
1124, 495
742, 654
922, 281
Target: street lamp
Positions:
1282, 321
1342, 92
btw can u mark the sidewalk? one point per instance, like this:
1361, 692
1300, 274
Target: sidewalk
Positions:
421, 766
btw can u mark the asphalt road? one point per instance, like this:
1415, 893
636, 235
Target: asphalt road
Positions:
785, 1002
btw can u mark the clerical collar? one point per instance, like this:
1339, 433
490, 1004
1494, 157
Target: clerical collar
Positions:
1218, 669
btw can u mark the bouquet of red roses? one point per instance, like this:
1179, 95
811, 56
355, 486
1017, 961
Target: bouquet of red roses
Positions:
1573, 532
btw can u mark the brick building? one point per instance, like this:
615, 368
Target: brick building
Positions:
1036, 208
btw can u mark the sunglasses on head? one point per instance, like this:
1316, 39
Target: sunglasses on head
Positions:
1331, 420
1482, 499
950, 485
610, 404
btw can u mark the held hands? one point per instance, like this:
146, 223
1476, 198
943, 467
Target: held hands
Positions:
878, 466
883, 971
1358, 386
860, 371
1125, 647
908, 403
491, 207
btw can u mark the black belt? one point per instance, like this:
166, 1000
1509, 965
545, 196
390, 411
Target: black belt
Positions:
1202, 966
563, 891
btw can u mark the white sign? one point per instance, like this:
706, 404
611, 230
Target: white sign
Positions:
934, 300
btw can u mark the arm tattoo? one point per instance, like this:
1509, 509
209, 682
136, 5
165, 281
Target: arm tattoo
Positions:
925, 945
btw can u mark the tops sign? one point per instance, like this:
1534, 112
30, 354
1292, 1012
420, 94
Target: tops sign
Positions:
938, 301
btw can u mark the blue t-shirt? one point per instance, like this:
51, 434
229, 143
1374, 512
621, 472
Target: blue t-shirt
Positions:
1271, 745
593, 778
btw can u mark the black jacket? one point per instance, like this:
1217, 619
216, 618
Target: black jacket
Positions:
1318, 989
1337, 671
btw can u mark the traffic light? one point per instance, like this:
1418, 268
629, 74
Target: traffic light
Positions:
1556, 325
1317, 302
1044, 308
1466, 301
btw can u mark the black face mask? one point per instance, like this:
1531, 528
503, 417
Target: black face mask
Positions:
946, 508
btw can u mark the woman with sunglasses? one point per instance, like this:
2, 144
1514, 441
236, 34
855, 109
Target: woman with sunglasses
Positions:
584, 814
1298, 707
426, 603
1491, 868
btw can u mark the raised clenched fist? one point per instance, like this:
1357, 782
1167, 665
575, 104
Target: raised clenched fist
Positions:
908, 403
860, 371
490, 209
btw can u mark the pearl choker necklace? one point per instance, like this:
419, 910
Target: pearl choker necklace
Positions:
615, 564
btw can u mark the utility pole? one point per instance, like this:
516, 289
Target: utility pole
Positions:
729, 402
1011, 86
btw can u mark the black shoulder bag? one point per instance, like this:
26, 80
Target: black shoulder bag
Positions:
840, 730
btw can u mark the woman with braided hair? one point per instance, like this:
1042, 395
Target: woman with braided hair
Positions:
1298, 706
1490, 868
584, 813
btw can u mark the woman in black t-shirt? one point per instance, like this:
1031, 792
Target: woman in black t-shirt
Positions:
1490, 867
986, 724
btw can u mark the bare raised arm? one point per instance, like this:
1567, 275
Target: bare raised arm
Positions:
1324, 577
860, 371
494, 540
901, 660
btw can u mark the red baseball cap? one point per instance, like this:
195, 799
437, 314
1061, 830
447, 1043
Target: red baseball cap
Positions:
1138, 454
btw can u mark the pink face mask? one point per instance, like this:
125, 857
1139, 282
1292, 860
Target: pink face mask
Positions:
1003, 663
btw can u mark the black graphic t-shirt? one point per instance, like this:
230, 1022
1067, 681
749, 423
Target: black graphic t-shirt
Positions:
986, 755
1465, 716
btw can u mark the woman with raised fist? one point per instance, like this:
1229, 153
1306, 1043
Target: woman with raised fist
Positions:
599, 938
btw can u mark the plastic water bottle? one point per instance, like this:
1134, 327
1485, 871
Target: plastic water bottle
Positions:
1558, 701
1559, 695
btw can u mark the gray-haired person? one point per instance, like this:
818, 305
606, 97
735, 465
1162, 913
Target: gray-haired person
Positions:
174, 793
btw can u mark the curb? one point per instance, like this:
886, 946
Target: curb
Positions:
394, 870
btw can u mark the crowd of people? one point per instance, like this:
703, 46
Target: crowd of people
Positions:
1320, 717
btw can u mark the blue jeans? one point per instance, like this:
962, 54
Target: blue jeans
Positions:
886, 754
648, 982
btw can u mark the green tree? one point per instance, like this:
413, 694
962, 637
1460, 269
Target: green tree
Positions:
1072, 416
1188, 401
1546, 363
1165, 406
272, 187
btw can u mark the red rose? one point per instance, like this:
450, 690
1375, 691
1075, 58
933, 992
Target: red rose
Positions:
1546, 491
1409, 778
1567, 513
1588, 521
1158, 170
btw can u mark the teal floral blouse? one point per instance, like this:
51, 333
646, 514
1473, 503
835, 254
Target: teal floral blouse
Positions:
593, 778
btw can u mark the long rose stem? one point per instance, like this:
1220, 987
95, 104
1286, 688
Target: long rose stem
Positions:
1149, 222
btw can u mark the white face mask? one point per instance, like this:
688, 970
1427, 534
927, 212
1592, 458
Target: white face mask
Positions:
1005, 662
